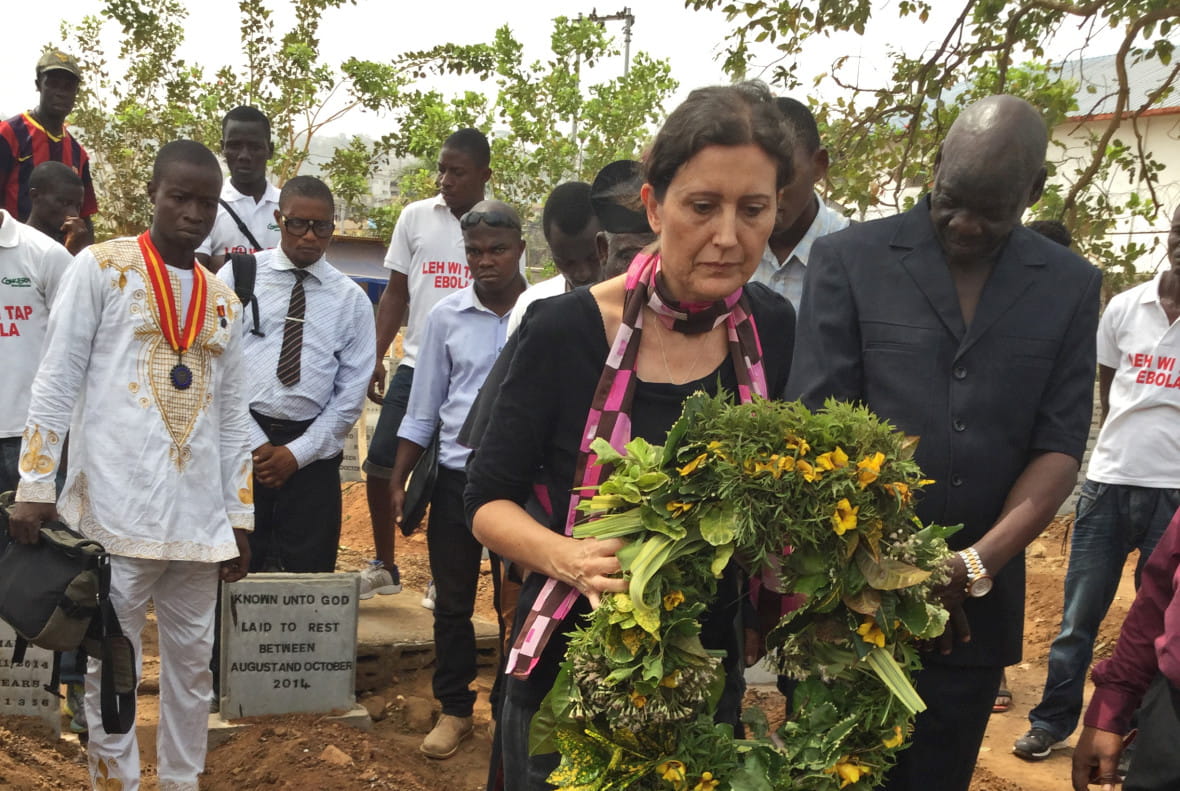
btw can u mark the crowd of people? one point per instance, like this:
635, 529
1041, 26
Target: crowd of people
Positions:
204, 376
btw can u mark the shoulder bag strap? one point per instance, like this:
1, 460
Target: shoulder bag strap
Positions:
241, 225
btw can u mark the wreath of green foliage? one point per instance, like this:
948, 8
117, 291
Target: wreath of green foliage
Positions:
819, 504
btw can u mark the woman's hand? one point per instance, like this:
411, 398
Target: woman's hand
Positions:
588, 565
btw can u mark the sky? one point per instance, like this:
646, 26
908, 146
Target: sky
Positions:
693, 41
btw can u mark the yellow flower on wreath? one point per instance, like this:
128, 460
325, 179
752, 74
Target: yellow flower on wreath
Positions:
900, 490
706, 783
832, 460
673, 772
896, 739
868, 469
844, 519
848, 770
871, 633
690, 468
808, 472
714, 447
673, 599
638, 700
677, 508
797, 444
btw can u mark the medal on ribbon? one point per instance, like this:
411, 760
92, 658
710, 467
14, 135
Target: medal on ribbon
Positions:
181, 340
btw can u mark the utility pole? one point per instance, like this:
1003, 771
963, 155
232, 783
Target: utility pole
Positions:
628, 19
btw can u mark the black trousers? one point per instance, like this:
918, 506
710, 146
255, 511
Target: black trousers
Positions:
1156, 765
948, 734
454, 563
297, 526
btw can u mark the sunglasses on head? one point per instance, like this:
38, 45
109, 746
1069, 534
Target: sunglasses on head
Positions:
493, 218
298, 226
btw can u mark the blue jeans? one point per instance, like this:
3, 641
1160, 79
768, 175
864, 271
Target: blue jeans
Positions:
1112, 520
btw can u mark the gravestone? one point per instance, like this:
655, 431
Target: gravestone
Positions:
288, 644
23, 690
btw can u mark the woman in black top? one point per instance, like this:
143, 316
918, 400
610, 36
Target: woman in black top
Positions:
712, 177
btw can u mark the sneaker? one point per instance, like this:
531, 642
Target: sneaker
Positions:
428, 597
443, 741
1036, 745
75, 707
378, 579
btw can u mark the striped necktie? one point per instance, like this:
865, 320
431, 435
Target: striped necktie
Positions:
292, 348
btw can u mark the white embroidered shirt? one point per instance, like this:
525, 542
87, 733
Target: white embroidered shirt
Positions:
155, 471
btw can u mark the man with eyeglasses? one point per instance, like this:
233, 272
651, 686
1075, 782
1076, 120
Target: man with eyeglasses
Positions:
464, 334
245, 214
307, 370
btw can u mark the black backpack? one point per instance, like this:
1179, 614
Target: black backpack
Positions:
55, 594
245, 269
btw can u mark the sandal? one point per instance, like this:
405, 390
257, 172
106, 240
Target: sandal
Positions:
1003, 701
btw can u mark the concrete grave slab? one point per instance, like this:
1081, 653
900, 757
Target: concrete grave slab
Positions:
396, 633
23, 690
288, 644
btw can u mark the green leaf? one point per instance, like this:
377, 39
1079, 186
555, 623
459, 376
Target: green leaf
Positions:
888, 573
721, 557
892, 675
612, 525
717, 523
554, 712
605, 451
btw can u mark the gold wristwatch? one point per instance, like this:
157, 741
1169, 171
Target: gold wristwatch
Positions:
979, 582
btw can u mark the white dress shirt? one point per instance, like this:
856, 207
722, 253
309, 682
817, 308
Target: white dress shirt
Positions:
543, 290
339, 344
786, 278
155, 472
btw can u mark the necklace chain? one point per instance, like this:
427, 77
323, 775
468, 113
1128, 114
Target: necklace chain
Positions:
660, 330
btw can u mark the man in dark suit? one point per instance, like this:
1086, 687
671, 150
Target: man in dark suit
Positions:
960, 326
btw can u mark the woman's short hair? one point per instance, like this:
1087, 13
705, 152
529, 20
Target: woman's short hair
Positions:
720, 115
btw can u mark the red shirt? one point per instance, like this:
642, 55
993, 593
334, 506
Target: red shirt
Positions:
1149, 643
24, 144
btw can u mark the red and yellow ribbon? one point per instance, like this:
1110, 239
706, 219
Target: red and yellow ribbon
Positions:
166, 301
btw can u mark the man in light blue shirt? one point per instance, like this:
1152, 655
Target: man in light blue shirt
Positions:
464, 334
803, 216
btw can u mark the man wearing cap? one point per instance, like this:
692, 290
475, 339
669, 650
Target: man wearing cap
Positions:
40, 135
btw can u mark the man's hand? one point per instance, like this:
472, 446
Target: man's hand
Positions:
75, 234
237, 568
952, 595
397, 501
377, 383
25, 523
1096, 759
273, 465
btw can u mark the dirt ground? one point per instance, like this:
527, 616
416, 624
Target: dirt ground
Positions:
310, 752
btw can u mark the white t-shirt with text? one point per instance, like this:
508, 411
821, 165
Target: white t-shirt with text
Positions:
1139, 444
31, 266
427, 247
